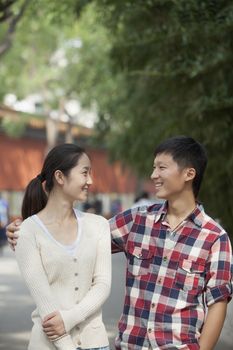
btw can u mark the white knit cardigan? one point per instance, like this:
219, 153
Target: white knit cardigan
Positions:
76, 285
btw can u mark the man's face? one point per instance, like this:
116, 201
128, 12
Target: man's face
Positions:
170, 180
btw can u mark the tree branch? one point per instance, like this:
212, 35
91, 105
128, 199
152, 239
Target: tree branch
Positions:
7, 41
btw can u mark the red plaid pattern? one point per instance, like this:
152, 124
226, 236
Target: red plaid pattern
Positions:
171, 276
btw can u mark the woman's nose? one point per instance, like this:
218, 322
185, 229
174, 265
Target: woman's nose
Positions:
89, 180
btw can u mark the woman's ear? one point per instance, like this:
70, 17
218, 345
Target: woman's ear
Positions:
59, 177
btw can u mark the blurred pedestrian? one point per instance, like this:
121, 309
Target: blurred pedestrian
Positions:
4, 218
142, 199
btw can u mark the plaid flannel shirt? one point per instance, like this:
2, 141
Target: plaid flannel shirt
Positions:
171, 276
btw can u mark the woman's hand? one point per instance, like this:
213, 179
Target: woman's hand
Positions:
53, 325
11, 232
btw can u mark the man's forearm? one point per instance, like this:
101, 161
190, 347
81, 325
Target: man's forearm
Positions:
213, 325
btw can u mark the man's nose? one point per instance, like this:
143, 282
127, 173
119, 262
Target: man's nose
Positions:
154, 174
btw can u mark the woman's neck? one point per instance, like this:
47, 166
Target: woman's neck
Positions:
58, 209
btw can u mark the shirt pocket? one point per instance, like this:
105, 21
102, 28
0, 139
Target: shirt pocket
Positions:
139, 260
190, 276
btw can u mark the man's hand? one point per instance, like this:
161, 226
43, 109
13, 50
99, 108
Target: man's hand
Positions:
11, 232
53, 325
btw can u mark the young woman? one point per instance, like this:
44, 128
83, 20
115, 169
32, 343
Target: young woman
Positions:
64, 255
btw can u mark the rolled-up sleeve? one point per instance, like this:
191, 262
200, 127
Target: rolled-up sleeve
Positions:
120, 226
219, 278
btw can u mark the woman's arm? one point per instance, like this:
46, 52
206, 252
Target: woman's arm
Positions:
30, 264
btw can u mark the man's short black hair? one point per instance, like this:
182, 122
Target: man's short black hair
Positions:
186, 152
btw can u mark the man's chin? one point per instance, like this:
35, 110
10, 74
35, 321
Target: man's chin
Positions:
160, 196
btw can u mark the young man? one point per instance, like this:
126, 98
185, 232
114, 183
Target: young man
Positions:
178, 259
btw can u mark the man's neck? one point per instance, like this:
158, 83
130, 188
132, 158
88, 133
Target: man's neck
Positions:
179, 209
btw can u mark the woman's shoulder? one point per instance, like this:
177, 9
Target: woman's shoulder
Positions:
95, 218
91, 218
27, 222
27, 226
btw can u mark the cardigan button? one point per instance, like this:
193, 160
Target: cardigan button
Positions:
76, 288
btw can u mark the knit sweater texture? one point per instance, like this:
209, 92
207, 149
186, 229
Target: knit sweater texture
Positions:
75, 285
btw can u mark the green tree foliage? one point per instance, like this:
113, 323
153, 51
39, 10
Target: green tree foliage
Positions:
151, 68
170, 68
33, 52
27, 66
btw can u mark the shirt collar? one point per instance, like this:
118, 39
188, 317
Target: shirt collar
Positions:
161, 213
197, 216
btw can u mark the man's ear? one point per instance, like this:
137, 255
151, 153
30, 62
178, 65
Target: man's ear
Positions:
59, 177
190, 174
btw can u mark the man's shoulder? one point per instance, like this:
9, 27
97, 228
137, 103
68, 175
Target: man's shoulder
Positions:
128, 217
140, 210
212, 225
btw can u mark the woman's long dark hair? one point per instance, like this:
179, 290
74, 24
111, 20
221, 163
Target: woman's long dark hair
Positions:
62, 157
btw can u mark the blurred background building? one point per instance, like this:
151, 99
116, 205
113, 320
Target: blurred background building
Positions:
114, 187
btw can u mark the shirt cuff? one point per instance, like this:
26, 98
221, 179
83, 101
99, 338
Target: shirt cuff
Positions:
218, 293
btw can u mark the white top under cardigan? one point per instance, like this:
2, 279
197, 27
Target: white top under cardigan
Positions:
70, 249
75, 285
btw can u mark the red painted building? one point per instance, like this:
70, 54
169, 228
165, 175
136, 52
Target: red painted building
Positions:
22, 158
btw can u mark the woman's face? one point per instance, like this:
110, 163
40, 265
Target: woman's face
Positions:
77, 183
